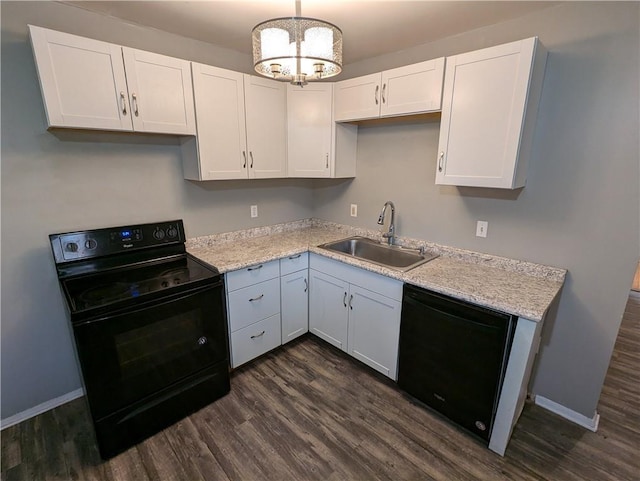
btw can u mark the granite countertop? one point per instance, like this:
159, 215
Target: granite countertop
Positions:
516, 287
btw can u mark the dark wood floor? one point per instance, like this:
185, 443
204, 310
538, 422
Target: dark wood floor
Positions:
309, 412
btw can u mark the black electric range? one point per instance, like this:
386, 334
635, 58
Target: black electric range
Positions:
150, 326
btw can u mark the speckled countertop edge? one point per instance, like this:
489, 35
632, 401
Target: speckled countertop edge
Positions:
516, 287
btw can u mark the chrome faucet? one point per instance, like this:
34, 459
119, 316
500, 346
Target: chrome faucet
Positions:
390, 235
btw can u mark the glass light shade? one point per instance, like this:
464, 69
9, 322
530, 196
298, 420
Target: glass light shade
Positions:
297, 49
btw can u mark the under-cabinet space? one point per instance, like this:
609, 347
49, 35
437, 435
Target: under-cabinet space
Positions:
489, 109
89, 84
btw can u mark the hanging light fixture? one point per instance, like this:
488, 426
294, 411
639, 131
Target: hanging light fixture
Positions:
297, 49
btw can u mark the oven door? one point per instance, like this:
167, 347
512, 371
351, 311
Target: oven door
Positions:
132, 354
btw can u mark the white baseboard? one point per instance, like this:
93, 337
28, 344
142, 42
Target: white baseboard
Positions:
41, 408
589, 423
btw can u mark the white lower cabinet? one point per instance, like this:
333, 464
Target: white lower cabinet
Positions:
365, 322
253, 300
328, 314
374, 330
294, 295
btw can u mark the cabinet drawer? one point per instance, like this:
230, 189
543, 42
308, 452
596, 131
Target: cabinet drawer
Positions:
252, 275
294, 263
253, 303
254, 340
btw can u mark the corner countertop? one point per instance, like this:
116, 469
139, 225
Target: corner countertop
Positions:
516, 287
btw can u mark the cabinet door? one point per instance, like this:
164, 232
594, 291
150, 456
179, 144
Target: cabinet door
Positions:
265, 102
82, 81
357, 99
412, 89
309, 130
483, 110
328, 311
222, 141
294, 292
374, 330
161, 93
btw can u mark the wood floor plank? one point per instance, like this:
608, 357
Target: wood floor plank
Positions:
307, 411
10, 453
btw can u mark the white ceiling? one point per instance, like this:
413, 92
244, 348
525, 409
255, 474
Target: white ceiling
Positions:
370, 27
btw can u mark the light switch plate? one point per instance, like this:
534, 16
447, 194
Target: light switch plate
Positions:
481, 228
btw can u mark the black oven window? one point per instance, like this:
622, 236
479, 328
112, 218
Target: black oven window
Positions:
155, 346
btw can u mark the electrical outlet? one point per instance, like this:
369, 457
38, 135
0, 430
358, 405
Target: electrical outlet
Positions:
481, 228
354, 210
254, 211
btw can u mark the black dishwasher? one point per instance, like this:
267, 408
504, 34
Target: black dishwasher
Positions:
453, 356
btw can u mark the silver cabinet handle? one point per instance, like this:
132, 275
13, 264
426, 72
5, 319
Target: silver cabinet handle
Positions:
134, 100
440, 159
251, 155
255, 336
377, 90
344, 299
306, 285
384, 87
327, 161
244, 154
255, 268
350, 299
124, 103
257, 298
295, 257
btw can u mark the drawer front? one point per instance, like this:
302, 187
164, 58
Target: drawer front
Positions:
294, 263
252, 275
254, 340
253, 303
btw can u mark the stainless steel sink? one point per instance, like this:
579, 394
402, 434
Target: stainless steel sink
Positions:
393, 257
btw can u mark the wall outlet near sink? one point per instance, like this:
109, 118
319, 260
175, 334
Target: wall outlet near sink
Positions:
481, 228
354, 210
254, 211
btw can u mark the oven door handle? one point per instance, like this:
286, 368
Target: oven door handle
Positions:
217, 285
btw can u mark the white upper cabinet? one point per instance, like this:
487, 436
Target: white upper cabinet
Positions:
220, 149
412, 89
309, 130
316, 145
241, 123
82, 81
266, 118
489, 108
84, 85
160, 92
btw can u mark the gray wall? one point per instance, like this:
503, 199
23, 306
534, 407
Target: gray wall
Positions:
580, 207
53, 182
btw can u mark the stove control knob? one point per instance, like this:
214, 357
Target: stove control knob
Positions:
172, 232
202, 341
158, 234
71, 247
90, 244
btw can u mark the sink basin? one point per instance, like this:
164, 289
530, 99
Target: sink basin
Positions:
393, 257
